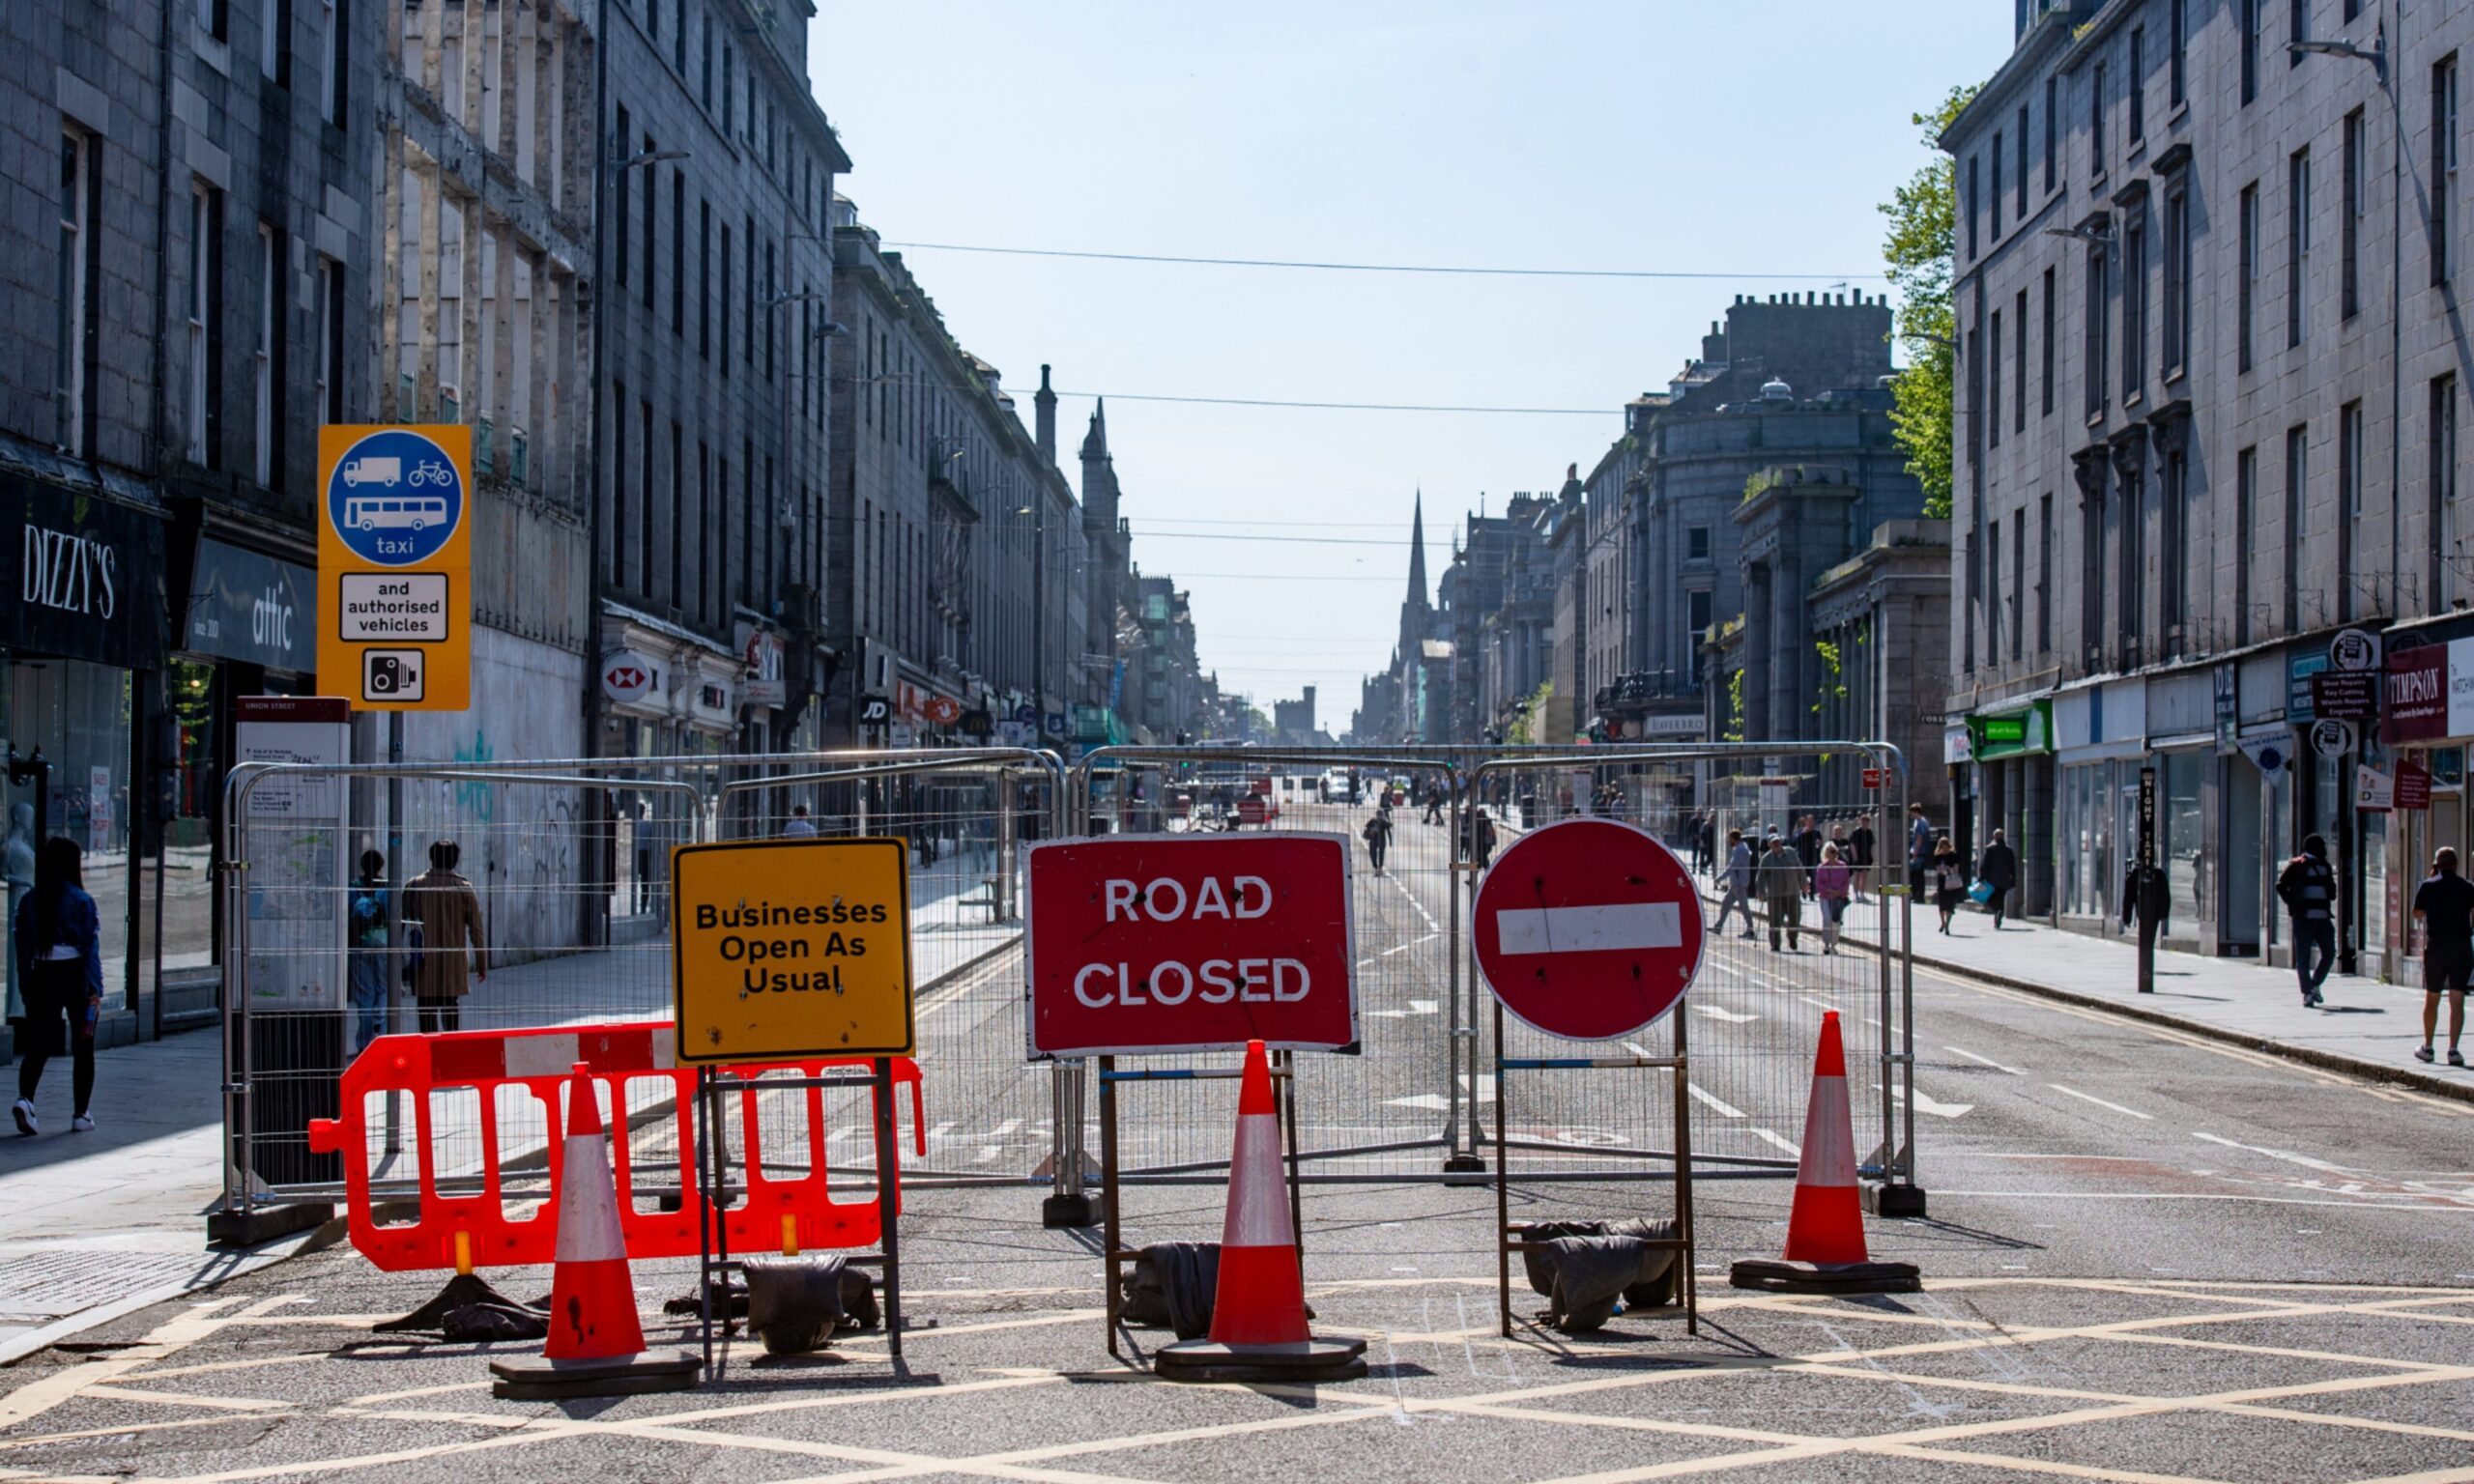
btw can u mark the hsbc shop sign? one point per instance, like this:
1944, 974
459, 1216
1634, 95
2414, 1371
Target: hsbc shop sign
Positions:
83, 575
1149, 943
628, 678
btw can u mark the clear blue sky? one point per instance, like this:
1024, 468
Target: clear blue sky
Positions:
1743, 138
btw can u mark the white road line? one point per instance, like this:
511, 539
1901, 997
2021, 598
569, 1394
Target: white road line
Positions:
1986, 1060
1728, 1015
939, 1131
1723, 1109
2289, 1157
2101, 1102
1926, 1103
1401, 948
1764, 1133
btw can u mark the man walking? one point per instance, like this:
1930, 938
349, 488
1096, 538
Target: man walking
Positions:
1999, 868
2307, 888
443, 908
1919, 848
1782, 892
1378, 837
1737, 879
1861, 844
1808, 850
2444, 905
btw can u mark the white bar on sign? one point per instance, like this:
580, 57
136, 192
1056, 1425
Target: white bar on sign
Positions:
1590, 930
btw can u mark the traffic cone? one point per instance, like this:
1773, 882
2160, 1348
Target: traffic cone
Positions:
596, 1345
1826, 1225
1258, 1330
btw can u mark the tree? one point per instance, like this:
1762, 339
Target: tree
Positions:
1923, 232
1523, 729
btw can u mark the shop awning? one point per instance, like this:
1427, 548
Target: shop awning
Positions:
2014, 733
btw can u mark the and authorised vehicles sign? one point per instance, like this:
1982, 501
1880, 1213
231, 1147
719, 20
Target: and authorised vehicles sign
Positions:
396, 566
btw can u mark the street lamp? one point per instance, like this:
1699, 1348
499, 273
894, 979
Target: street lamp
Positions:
1037, 510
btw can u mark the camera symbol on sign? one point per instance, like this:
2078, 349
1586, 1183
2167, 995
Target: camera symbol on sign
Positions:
390, 674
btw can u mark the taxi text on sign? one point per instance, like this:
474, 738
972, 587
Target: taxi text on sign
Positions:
396, 566
792, 947
1588, 929
1144, 943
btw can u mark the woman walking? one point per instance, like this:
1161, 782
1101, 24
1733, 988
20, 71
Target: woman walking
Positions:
1832, 880
60, 964
1949, 881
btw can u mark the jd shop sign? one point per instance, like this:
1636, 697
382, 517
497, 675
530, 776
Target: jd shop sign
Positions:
82, 575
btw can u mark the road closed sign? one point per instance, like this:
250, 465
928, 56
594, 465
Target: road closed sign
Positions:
396, 566
792, 947
1587, 929
1144, 943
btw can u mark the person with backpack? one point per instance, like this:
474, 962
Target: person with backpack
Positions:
366, 972
2307, 888
58, 935
1378, 836
1737, 879
1999, 869
2444, 905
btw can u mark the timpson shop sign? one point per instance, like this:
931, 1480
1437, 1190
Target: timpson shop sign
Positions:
87, 582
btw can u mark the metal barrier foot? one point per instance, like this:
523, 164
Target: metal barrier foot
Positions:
1058, 1211
1894, 1201
261, 1224
1464, 1170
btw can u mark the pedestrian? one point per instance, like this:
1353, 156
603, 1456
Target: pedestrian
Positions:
366, 973
2307, 888
2444, 905
1949, 881
1997, 869
1859, 858
1434, 804
1737, 879
1808, 850
442, 907
1782, 891
801, 827
58, 935
1832, 880
1709, 838
1478, 836
1919, 848
1378, 837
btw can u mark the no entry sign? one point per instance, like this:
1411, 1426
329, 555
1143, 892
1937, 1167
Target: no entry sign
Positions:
1588, 929
1141, 943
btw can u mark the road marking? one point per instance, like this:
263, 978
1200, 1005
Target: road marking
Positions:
2101, 1102
1415, 1007
1401, 948
1723, 1109
1715, 1012
2289, 1157
1926, 1103
191, 1324
1986, 1060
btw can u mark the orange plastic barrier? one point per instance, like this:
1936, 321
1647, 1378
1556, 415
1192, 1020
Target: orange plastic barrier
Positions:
464, 1231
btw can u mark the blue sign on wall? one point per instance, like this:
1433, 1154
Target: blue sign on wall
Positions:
395, 498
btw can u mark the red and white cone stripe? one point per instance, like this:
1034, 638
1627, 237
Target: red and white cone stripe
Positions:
593, 1296
1262, 1294
1826, 1223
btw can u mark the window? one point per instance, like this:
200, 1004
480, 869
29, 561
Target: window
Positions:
2134, 300
2297, 472
214, 17
721, 540
750, 347
619, 205
704, 82
2019, 364
679, 253
2297, 14
2349, 225
2135, 85
2173, 613
1993, 382
1992, 541
2443, 154
2179, 20
2048, 342
705, 277
704, 540
2096, 359
74, 326
2091, 564
274, 35
2044, 573
2349, 504
1994, 206
2176, 252
653, 223
335, 56
617, 484
2021, 134
262, 360
1975, 198
2018, 580
2246, 275
2053, 131
2247, 17
331, 340
645, 501
2246, 529
679, 43
2297, 242
729, 89
2446, 583
2096, 121
2133, 554
725, 260
206, 322
770, 294
677, 511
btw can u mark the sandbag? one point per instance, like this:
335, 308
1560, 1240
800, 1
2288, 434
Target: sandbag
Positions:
1172, 1286
1588, 1273
477, 1321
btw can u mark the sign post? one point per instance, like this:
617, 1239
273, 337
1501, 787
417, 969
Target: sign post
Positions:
2144, 888
1590, 930
396, 566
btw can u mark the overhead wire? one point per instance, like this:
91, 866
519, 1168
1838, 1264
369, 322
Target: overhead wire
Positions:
1324, 266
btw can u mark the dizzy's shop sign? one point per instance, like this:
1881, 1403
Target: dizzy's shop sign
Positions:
88, 582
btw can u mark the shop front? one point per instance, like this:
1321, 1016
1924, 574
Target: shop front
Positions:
2012, 747
81, 636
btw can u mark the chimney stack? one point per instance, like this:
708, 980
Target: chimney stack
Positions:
1046, 418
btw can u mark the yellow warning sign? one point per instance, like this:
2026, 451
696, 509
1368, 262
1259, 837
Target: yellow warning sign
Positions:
785, 949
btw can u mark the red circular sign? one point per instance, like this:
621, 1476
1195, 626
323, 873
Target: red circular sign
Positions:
1588, 929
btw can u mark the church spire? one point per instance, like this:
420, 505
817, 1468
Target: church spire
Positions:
1418, 551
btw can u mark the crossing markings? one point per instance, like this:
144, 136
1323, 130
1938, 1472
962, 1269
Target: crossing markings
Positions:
1925, 1103
2101, 1102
